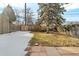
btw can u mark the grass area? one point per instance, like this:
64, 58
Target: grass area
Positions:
55, 39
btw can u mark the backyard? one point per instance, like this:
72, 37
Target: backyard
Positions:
38, 29
54, 39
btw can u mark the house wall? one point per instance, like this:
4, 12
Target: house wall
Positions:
6, 27
5, 24
0, 24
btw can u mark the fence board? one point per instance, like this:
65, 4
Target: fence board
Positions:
30, 28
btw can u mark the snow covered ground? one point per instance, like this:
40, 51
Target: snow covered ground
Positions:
13, 44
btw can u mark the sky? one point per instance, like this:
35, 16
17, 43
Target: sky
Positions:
72, 13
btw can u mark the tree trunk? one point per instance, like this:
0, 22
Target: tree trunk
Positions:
55, 29
47, 30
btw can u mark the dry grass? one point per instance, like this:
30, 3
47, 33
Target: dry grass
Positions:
55, 39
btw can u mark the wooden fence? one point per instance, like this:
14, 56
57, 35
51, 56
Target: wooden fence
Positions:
30, 28
14, 28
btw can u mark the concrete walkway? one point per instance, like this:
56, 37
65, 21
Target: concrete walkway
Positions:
54, 51
13, 44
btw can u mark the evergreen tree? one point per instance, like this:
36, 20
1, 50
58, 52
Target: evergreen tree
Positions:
51, 14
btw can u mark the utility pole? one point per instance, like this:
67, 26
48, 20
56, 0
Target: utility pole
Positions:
25, 14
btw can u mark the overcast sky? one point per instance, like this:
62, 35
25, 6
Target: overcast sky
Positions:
72, 13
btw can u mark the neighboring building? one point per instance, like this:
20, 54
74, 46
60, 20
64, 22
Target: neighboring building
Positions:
29, 20
6, 20
8, 12
75, 27
4, 24
0, 24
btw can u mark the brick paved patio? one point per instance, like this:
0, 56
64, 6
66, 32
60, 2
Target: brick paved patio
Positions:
54, 51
